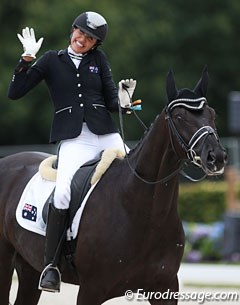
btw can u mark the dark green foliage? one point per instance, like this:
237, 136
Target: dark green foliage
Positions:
202, 202
146, 39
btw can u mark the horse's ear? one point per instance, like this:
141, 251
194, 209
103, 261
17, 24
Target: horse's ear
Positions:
172, 91
202, 85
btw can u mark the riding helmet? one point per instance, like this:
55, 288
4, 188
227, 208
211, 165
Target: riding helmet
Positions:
93, 24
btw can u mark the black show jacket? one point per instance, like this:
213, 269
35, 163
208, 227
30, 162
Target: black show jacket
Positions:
84, 94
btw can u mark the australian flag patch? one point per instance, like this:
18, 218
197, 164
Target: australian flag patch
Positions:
93, 69
29, 212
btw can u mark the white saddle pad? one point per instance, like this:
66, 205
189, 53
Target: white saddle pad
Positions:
34, 196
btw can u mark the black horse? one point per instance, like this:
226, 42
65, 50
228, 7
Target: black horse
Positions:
130, 236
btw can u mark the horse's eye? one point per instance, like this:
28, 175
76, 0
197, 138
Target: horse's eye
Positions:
178, 117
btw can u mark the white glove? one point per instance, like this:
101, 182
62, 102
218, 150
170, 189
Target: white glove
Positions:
28, 40
125, 92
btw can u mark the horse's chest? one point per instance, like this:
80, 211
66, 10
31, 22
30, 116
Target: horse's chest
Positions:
165, 249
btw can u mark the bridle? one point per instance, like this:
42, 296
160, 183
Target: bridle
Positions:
192, 156
201, 133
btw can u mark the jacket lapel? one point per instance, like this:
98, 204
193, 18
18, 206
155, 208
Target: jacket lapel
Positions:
85, 60
63, 55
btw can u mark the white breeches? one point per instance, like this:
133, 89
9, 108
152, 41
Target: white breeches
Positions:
75, 152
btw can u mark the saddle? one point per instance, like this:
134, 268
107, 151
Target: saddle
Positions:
86, 176
80, 185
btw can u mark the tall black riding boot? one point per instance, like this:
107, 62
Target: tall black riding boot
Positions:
50, 279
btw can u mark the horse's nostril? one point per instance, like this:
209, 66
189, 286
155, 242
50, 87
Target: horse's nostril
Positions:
211, 157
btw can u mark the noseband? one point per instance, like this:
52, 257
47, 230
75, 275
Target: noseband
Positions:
193, 105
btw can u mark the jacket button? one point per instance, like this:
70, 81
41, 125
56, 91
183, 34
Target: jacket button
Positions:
79, 85
80, 95
81, 105
78, 75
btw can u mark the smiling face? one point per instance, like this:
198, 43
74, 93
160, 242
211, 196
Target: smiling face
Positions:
81, 42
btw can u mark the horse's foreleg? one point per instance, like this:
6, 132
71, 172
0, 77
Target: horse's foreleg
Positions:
161, 294
28, 292
6, 270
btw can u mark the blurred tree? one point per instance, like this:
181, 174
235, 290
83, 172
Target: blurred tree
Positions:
145, 40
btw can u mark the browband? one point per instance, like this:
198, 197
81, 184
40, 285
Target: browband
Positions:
194, 104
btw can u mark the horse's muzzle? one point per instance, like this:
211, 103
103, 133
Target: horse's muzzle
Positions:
214, 160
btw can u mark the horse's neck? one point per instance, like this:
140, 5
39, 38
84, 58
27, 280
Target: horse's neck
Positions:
155, 158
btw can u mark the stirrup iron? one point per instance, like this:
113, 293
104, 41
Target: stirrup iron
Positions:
50, 268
